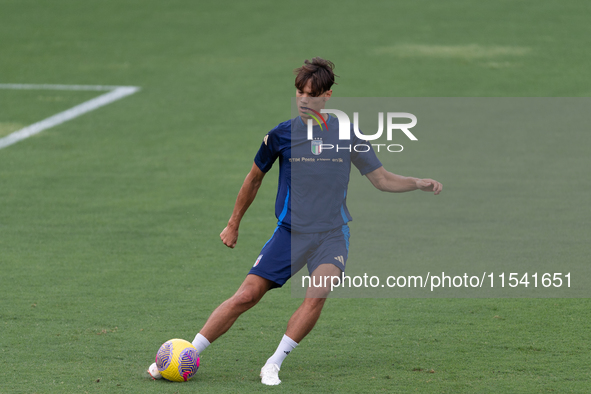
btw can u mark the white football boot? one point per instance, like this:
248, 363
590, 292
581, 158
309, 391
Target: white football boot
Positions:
153, 371
270, 375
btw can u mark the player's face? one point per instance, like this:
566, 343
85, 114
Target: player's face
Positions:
306, 101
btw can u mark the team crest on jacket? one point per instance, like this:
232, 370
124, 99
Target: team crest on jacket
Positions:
316, 146
258, 260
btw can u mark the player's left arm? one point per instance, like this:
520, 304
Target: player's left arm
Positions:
389, 182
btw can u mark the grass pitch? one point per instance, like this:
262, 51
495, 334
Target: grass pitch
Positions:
109, 223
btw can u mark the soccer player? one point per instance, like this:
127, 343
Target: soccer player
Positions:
311, 210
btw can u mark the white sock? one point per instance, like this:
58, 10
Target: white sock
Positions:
285, 347
200, 343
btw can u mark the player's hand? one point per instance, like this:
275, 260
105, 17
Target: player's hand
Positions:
429, 185
229, 236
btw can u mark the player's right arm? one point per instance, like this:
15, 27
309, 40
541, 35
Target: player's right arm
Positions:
246, 196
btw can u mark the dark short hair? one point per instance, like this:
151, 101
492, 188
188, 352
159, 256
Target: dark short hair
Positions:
320, 71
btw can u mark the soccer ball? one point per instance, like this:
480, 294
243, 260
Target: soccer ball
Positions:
177, 360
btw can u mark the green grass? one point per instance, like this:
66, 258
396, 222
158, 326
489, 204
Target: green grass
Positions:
109, 223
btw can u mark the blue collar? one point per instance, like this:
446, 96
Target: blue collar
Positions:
300, 118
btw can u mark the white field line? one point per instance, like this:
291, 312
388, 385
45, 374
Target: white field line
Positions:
115, 93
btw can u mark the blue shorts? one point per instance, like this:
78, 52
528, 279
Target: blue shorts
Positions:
287, 252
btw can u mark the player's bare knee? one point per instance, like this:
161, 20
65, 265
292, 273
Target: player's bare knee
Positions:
246, 299
317, 293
